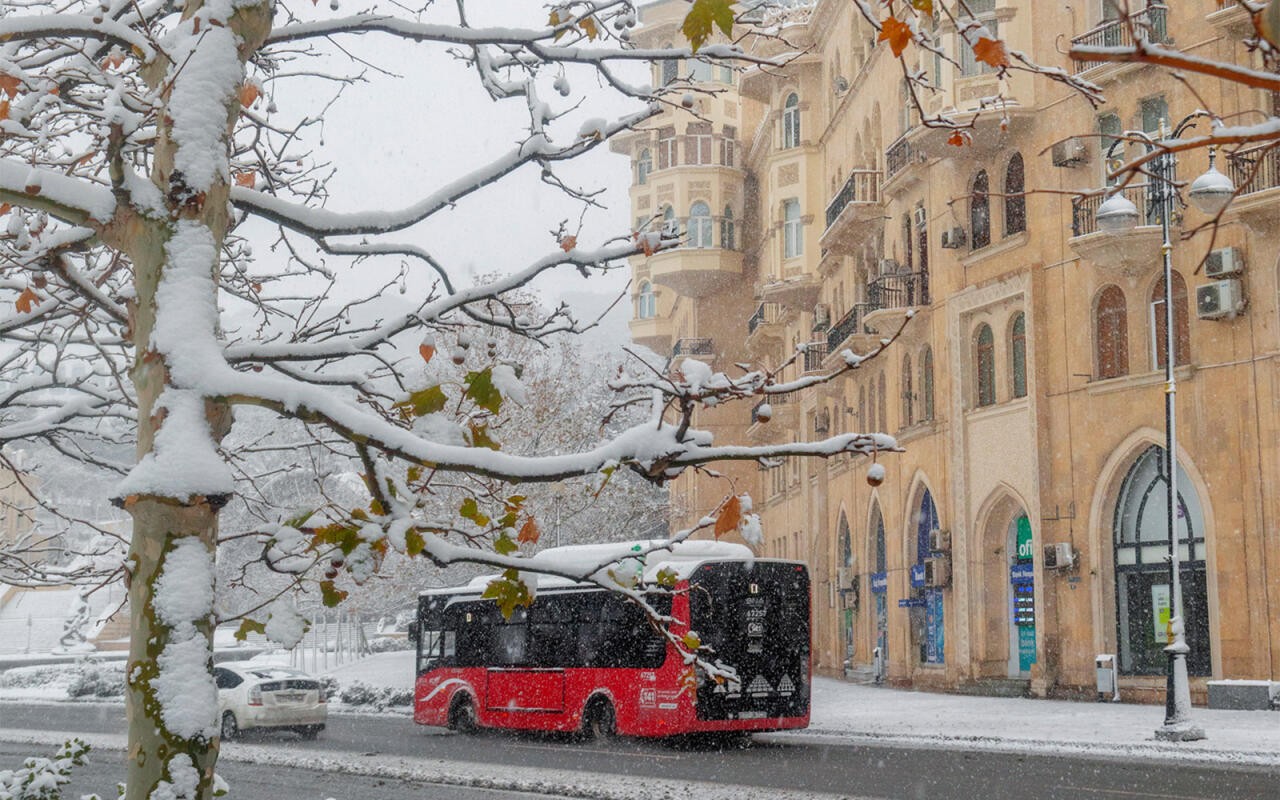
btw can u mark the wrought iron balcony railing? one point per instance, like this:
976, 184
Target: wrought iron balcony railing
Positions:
1119, 32
862, 186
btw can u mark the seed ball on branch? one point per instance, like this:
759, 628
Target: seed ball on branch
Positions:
875, 474
764, 412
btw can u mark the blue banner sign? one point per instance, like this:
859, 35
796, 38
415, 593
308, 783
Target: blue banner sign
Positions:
912, 602
1022, 573
917, 575
879, 582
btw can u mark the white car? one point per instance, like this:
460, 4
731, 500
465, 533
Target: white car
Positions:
254, 695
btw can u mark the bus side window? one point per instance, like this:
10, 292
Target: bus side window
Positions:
509, 644
450, 645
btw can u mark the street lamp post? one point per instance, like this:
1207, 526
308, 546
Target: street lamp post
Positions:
1210, 193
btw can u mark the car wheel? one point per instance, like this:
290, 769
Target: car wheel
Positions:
310, 732
462, 716
230, 729
599, 720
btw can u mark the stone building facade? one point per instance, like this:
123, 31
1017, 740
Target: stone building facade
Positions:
1027, 388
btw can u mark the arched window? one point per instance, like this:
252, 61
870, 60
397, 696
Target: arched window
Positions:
908, 401
1181, 330
1143, 596
980, 211
792, 230
670, 68
984, 361
728, 235
1015, 202
846, 543
1111, 333
1018, 354
791, 121
930, 634
926, 383
644, 165
670, 225
700, 225
883, 403
876, 535
647, 303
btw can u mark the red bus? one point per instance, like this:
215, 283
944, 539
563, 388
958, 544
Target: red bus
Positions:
581, 659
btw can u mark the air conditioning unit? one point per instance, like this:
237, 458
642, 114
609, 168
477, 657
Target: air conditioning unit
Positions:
939, 541
844, 577
1070, 152
1219, 300
953, 239
1223, 263
937, 572
921, 217
1060, 555
821, 316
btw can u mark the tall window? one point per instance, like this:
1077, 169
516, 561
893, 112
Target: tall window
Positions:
699, 71
728, 146
644, 165
1015, 202
883, 403
670, 225
1109, 129
1154, 109
907, 235
980, 211
700, 225
1111, 333
728, 235
666, 147
872, 422
791, 121
1182, 333
1143, 596
670, 68
926, 383
908, 401
697, 144
984, 361
922, 239
984, 11
725, 74
647, 303
1018, 354
792, 231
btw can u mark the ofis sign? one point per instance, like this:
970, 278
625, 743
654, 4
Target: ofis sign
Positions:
1026, 548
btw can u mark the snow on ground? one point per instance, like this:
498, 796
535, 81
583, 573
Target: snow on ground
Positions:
855, 712
383, 670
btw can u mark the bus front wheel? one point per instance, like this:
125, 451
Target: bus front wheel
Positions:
599, 721
462, 715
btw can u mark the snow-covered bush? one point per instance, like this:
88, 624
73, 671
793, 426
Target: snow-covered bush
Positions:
97, 680
32, 677
330, 686
389, 644
362, 694
43, 778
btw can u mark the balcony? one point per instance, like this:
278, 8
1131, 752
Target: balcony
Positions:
891, 296
1257, 172
695, 271
848, 214
901, 156
848, 333
1131, 253
765, 334
700, 346
1117, 33
653, 333
797, 291
814, 354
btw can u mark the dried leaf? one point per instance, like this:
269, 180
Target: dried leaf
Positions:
730, 517
5, 208
704, 17
249, 93
691, 641
991, 52
923, 6
958, 139
568, 243
246, 179
588, 26
9, 85
330, 594
249, 626
529, 532
27, 300
897, 33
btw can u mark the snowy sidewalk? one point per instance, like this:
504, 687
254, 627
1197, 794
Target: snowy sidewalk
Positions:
850, 713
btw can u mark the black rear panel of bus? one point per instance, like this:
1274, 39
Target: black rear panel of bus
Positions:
756, 617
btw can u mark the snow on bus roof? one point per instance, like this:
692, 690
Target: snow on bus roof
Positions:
682, 558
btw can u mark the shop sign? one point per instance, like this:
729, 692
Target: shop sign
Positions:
917, 575
879, 582
1022, 573
911, 602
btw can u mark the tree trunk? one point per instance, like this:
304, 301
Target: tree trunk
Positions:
171, 701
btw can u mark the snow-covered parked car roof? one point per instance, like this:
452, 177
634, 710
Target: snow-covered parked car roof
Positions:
681, 558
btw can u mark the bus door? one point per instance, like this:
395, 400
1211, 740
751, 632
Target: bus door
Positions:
526, 668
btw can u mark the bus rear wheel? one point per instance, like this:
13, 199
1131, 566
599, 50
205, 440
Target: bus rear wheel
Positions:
599, 721
462, 715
